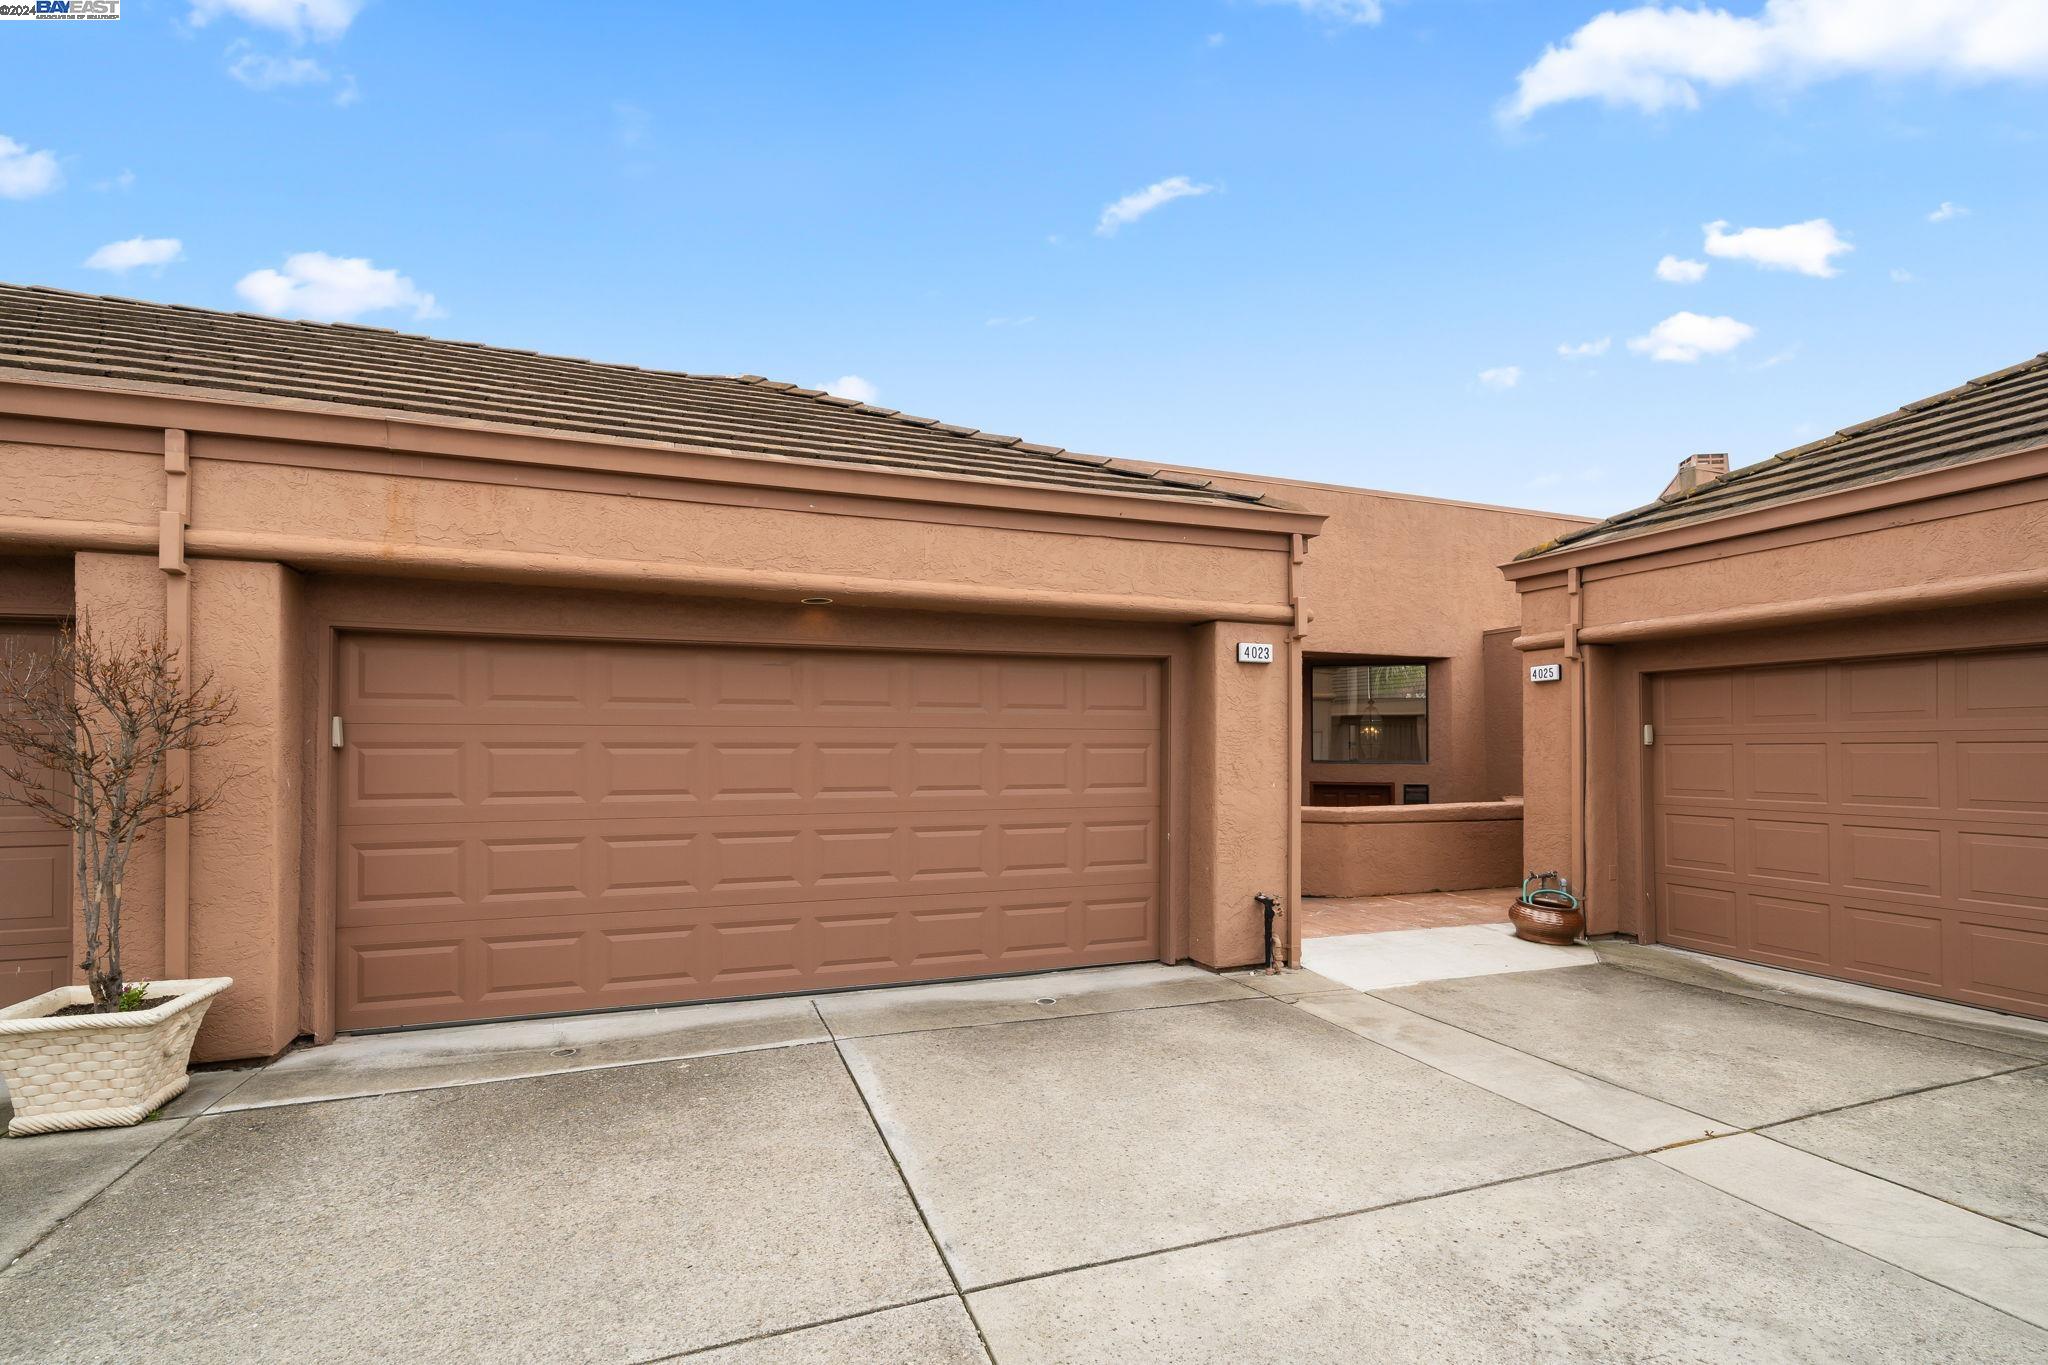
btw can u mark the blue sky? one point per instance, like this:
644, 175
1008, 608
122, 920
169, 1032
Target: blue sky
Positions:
1365, 209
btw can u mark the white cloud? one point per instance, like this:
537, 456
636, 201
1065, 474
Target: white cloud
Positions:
261, 71
1501, 376
1809, 247
1673, 270
1215, 40
1947, 211
25, 174
1685, 337
1335, 11
314, 284
1655, 57
124, 181
1901, 276
854, 387
121, 257
1585, 350
1024, 320
324, 19
1134, 206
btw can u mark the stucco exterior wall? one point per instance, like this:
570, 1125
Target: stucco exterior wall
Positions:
1862, 584
388, 509
1384, 850
246, 620
1402, 577
1501, 728
84, 521
1240, 802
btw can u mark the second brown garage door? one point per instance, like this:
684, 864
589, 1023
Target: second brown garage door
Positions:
528, 827
1885, 821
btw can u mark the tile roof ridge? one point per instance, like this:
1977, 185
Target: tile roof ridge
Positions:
1770, 463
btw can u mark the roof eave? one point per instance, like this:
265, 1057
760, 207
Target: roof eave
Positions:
1999, 467
311, 421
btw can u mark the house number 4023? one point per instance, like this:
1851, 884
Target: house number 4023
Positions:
1254, 654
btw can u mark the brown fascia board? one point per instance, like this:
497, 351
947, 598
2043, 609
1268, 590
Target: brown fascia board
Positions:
134, 403
2005, 466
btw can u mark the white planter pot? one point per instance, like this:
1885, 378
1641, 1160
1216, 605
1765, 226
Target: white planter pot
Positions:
98, 1070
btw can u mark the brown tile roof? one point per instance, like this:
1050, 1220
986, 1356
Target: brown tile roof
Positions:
1994, 415
58, 332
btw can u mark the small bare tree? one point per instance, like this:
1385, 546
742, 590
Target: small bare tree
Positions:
87, 731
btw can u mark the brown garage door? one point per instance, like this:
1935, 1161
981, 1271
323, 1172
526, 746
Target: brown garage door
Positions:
1883, 821
530, 827
35, 877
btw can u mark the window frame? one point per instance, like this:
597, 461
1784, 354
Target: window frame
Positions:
1308, 688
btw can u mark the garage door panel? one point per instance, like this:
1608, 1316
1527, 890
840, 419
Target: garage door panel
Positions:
35, 871
419, 680
2000, 869
564, 772
1694, 771
2008, 776
1890, 774
1783, 697
393, 874
2002, 963
1892, 944
1785, 773
1899, 837
1696, 914
1696, 700
1790, 850
1889, 691
1695, 843
532, 826
1899, 860
1791, 930
2003, 688
412, 974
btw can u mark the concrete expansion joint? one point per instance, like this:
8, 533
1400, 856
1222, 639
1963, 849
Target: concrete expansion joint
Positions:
1337, 1216
909, 1190
697, 1351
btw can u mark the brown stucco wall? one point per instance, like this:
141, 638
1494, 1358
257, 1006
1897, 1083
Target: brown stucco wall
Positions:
1240, 803
1397, 576
1383, 850
1501, 728
285, 557
246, 620
1865, 582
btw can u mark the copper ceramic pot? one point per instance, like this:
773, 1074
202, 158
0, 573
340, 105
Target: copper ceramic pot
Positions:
1547, 917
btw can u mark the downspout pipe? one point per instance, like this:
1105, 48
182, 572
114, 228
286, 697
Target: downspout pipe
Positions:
170, 558
1296, 686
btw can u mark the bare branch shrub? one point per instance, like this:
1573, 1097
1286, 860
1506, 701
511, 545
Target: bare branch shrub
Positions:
87, 732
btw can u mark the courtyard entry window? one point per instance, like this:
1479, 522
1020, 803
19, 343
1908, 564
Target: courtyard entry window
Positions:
1369, 713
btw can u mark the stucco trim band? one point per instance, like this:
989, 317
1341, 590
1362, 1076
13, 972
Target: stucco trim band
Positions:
313, 552
1916, 597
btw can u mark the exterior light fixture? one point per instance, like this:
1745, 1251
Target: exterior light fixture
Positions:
815, 601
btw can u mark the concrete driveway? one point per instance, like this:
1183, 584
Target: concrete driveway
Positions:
1127, 1164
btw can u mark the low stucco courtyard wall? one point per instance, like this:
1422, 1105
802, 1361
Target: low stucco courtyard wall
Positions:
1385, 850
